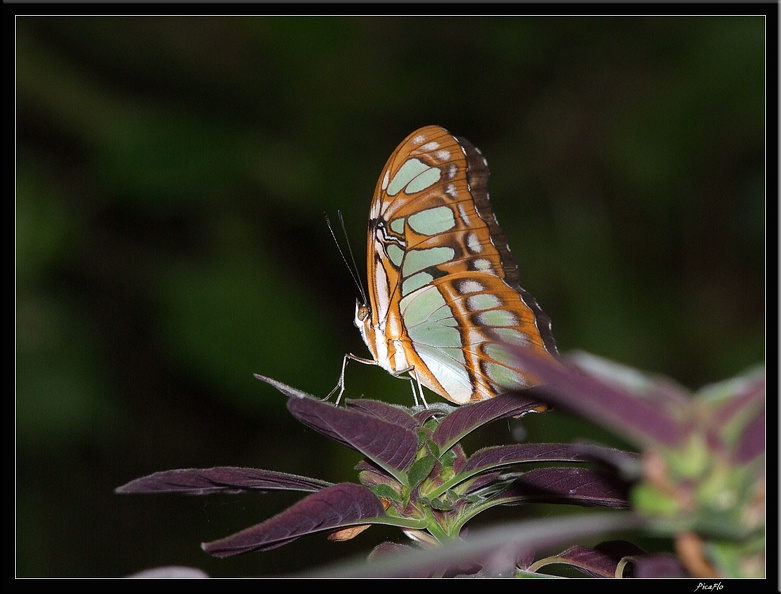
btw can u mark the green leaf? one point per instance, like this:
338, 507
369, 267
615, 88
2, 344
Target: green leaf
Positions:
433, 448
439, 504
386, 492
420, 469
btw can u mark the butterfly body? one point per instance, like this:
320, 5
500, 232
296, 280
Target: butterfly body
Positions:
444, 303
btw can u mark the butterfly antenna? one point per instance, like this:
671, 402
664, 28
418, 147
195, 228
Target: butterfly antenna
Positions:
354, 268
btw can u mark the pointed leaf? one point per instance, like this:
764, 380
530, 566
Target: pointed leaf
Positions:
739, 414
338, 506
390, 548
600, 561
420, 469
658, 389
575, 486
627, 464
469, 417
391, 446
288, 391
733, 396
226, 479
434, 410
492, 457
640, 417
484, 479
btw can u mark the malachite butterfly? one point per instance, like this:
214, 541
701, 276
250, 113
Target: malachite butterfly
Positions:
444, 303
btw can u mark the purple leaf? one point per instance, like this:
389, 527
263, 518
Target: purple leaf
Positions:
435, 409
370, 466
482, 480
338, 506
602, 560
387, 412
739, 394
524, 558
469, 417
740, 414
628, 464
371, 475
612, 404
752, 441
226, 479
389, 548
388, 444
576, 486
489, 458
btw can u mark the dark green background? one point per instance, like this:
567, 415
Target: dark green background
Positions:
172, 175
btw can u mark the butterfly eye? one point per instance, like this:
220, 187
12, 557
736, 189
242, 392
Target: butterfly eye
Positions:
361, 313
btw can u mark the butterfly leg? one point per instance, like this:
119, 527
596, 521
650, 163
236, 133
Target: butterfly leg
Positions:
413, 379
420, 391
340, 385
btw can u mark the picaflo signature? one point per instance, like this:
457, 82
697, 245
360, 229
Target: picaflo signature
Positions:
715, 586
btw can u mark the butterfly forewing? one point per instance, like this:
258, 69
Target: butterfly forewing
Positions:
445, 303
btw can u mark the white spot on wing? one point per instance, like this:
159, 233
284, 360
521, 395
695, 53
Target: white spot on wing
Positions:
497, 317
473, 243
464, 216
442, 155
482, 301
482, 264
430, 146
385, 180
418, 139
470, 286
512, 336
451, 191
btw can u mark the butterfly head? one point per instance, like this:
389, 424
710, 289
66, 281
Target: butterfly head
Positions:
362, 321
373, 338
362, 314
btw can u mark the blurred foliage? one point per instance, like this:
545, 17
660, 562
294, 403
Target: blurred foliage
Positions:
171, 175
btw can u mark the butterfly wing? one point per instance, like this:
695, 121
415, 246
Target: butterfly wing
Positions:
445, 301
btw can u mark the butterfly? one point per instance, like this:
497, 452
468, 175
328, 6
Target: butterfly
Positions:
444, 305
